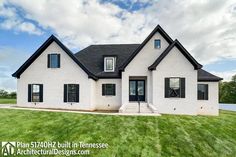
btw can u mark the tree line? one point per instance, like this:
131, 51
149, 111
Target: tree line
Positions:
7, 95
227, 91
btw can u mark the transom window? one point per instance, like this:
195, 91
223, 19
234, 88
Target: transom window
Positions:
108, 89
157, 43
71, 93
53, 60
202, 91
109, 64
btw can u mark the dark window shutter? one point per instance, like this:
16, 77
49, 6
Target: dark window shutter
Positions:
40, 93
114, 89
206, 92
167, 87
77, 93
49, 61
65, 92
59, 60
182, 87
103, 89
29, 92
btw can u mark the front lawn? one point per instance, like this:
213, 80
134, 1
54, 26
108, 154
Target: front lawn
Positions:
7, 101
168, 135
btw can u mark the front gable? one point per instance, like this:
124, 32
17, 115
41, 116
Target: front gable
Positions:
175, 45
52, 40
148, 45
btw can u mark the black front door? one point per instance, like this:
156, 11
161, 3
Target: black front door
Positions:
136, 90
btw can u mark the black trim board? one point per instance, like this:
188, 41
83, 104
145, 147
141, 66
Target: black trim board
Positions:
182, 50
157, 29
40, 51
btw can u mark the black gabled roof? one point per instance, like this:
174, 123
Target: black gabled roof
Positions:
93, 56
182, 50
157, 29
206, 76
40, 51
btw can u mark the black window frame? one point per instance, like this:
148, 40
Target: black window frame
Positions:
68, 94
205, 93
110, 92
175, 93
155, 46
50, 60
31, 93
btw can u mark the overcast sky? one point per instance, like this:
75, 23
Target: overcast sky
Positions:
206, 28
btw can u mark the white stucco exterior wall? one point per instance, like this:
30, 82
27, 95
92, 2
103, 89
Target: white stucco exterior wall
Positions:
139, 67
210, 106
175, 64
53, 81
108, 102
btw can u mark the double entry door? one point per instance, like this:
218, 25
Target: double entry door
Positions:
136, 90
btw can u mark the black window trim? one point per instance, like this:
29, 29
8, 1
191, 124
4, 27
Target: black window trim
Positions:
104, 90
77, 99
155, 43
182, 87
206, 97
30, 93
58, 61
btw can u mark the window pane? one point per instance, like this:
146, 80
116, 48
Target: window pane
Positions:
35, 88
174, 83
109, 64
157, 43
71, 93
202, 91
140, 87
35, 93
109, 89
174, 90
132, 89
54, 61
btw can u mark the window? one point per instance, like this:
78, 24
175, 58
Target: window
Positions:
157, 43
202, 91
109, 64
174, 87
35, 93
71, 92
109, 89
53, 60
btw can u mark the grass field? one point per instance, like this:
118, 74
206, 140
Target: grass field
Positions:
168, 135
7, 101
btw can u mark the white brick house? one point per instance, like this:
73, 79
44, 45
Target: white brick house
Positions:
159, 73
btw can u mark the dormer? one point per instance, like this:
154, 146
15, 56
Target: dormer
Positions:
109, 63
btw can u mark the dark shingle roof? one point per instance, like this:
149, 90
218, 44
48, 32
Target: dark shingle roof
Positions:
92, 57
206, 76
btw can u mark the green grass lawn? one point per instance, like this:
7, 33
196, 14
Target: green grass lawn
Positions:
167, 135
7, 101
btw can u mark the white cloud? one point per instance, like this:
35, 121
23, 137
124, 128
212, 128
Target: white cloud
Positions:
12, 21
206, 28
226, 75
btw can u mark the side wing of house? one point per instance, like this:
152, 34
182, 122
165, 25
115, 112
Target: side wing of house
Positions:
54, 80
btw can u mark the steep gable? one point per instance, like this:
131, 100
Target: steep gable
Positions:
177, 44
157, 29
41, 50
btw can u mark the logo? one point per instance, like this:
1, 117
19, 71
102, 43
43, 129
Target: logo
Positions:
8, 148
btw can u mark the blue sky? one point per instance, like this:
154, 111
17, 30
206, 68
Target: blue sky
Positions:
205, 28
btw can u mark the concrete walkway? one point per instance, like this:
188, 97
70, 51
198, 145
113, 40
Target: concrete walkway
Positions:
11, 106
